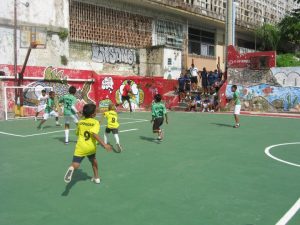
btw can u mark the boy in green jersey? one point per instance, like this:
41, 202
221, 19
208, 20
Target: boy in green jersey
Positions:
50, 110
237, 106
158, 113
70, 111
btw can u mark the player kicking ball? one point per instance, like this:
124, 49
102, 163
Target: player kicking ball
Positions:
41, 105
87, 132
158, 113
112, 126
50, 110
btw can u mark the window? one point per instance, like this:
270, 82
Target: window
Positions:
201, 42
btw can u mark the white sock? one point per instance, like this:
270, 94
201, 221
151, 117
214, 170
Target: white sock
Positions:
117, 138
57, 122
105, 138
67, 135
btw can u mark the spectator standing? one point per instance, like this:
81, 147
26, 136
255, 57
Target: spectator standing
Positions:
194, 75
204, 81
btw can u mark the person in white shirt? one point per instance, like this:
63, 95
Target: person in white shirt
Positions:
194, 75
41, 105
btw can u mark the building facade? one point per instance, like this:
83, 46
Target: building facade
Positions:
125, 37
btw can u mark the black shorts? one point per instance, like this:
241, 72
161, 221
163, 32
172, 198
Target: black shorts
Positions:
194, 80
78, 159
113, 130
125, 98
157, 123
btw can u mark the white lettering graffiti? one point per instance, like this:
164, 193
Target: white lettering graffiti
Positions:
113, 55
108, 84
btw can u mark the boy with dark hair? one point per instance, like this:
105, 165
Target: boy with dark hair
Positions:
125, 95
50, 110
41, 103
112, 125
87, 132
70, 111
237, 105
158, 113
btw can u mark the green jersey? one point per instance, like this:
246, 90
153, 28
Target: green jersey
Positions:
49, 105
68, 101
236, 98
158, 110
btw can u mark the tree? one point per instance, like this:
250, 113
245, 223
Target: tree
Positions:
269, 37
289, 27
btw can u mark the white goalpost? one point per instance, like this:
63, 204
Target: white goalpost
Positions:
21, 101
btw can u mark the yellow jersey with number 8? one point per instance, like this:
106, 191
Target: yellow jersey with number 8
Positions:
86, 143
112, 119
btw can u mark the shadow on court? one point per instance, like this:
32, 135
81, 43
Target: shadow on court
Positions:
222, 125
62, 139
150, 139
77, 176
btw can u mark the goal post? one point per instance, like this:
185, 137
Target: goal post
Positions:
30, 95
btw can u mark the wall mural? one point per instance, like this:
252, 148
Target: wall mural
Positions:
104, 90
278, 89
113, 55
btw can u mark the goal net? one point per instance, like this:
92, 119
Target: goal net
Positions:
22, 102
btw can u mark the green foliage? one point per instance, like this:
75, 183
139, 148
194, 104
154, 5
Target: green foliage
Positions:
63, 34
287, 60
269, 36
64, 60
290, 29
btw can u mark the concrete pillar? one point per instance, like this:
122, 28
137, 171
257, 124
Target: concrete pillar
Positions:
229, 27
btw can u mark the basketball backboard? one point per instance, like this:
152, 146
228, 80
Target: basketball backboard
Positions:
33, 35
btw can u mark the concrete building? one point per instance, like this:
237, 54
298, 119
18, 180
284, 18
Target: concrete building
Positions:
126, 37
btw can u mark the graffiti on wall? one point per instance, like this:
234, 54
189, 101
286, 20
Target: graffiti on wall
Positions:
275, 90
113, 55
57, 80
287, 76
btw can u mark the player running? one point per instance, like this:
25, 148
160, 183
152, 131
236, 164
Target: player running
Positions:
41, 104
158, 113
87, 132
50, 110
112, 125
70, 111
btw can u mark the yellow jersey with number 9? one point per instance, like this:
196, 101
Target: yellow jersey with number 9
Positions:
86, 143
112, 119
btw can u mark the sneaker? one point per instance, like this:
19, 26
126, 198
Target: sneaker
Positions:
161, 134
96, 180
58, 125
119, 148
66, 142
39, 128
236, 126
69, 173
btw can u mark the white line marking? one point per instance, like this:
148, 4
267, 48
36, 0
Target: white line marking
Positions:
289, 214
127, 130
268, 153
10, 134
51, 132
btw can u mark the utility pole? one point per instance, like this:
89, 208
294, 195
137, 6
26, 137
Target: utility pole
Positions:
229, 29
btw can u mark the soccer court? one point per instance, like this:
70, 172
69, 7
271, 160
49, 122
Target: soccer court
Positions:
203, 173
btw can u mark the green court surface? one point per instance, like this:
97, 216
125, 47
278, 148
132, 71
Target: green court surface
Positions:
203, 173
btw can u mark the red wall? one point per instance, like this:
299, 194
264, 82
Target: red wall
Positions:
100, 91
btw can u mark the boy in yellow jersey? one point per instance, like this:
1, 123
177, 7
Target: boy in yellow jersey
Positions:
87, 132
112, 125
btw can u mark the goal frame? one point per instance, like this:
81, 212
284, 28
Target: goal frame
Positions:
17, 87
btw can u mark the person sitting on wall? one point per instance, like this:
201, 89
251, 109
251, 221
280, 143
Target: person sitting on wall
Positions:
126, 94
192, 104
